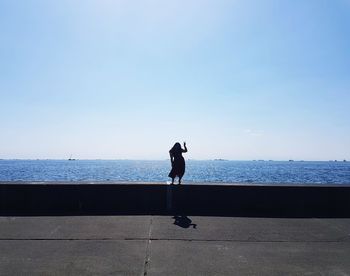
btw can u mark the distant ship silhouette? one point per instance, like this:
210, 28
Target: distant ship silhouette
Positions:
71, 159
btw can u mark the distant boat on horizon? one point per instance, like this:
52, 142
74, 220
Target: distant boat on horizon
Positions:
220, 159
71, 159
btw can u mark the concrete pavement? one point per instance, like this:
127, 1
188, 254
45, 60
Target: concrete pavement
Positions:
164, 245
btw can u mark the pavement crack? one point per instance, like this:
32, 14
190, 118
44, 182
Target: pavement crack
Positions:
149, 241
148, 249
59, 239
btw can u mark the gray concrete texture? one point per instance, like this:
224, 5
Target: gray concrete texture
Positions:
163, 245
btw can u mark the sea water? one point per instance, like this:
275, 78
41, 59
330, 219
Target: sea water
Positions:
157, 171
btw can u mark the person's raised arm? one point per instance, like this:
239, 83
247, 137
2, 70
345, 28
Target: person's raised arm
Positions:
185, 150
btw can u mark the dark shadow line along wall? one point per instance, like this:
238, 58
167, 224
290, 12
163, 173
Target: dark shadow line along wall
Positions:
158, 199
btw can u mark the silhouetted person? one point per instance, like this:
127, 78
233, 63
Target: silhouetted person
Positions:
177, 162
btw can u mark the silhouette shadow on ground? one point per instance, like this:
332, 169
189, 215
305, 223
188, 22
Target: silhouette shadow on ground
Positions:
184, 222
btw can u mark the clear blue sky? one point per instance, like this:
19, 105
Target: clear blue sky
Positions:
126, 79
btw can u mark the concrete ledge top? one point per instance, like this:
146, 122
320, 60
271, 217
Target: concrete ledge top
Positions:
166, 184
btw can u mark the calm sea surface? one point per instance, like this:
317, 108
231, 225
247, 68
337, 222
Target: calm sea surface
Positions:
196, 171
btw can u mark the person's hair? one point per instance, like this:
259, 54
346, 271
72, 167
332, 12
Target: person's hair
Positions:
176, 148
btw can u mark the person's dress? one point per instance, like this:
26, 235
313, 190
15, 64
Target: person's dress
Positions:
178, 168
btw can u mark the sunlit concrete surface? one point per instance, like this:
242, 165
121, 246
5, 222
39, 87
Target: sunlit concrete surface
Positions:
165, 245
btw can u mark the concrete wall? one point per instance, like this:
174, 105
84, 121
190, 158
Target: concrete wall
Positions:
159, 199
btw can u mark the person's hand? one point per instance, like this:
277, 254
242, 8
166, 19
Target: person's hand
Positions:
185, 144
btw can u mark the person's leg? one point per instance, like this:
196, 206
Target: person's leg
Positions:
180, 180
172, 180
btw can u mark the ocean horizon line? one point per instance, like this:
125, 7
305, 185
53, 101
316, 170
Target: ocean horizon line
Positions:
189, 159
